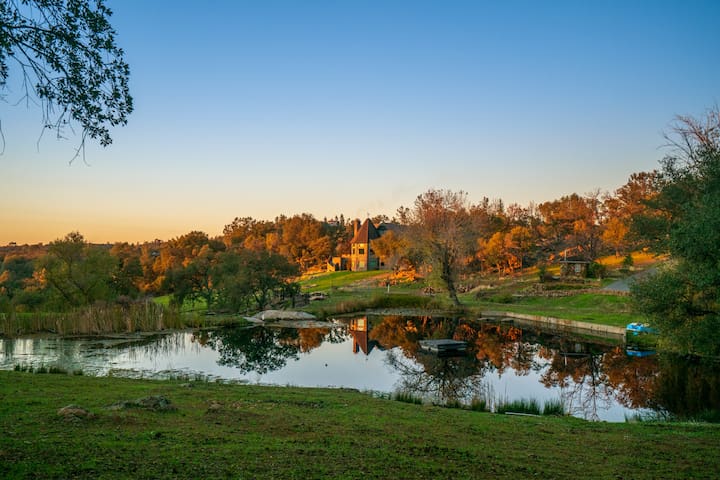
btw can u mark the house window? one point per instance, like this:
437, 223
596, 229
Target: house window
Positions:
361, 251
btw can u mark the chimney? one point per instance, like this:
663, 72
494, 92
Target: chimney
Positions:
356, 226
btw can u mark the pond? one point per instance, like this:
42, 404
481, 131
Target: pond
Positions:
595, 380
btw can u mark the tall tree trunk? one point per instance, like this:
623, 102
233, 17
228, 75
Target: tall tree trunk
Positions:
448, 277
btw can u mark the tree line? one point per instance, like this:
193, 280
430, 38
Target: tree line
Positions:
254, 261
673, 210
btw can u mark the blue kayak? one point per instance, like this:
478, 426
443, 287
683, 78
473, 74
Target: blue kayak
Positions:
637, 328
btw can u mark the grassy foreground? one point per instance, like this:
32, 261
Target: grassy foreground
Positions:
230, 431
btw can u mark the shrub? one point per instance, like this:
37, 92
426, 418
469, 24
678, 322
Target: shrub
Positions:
628, 261
542, 272
627, 264
502, 298
596, 270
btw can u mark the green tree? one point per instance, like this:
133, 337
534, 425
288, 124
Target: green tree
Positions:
15, 273
128, 277
683, 299
234, 291
65, 52
79, 273
245, 276
193, 280
265, 273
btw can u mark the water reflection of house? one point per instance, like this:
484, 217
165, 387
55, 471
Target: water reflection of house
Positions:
361, 342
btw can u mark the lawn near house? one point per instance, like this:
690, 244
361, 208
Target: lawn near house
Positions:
368, 290
586, 307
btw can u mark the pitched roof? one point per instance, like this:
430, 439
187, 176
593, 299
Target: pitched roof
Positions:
366, 233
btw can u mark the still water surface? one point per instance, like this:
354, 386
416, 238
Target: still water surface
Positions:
382, 354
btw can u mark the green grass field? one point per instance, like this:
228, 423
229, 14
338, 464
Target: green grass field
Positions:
326, 282
241, 431
585, 307
364, 290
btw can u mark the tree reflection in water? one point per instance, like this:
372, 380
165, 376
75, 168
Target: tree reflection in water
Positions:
583, 385
589, 376
688, 387
441, 379
633, 379
491, 348
263, 350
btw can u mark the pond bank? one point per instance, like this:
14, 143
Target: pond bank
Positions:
561, 325
552, 324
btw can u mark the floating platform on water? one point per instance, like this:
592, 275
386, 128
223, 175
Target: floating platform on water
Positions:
443, 346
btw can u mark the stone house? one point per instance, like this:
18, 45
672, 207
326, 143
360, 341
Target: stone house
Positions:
361, 257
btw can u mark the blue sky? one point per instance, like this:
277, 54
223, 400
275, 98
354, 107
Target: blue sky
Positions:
267, 107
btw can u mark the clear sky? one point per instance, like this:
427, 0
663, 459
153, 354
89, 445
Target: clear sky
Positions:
261, 108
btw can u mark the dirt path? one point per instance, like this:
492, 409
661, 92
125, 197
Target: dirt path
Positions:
623, 285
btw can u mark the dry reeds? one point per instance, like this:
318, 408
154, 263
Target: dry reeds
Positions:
95, 320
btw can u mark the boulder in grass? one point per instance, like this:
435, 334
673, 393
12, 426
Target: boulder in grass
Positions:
156, 403
75, 412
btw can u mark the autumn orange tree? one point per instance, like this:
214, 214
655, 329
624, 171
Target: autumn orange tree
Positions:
391, 247
625, 208
573, 221
440, 225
